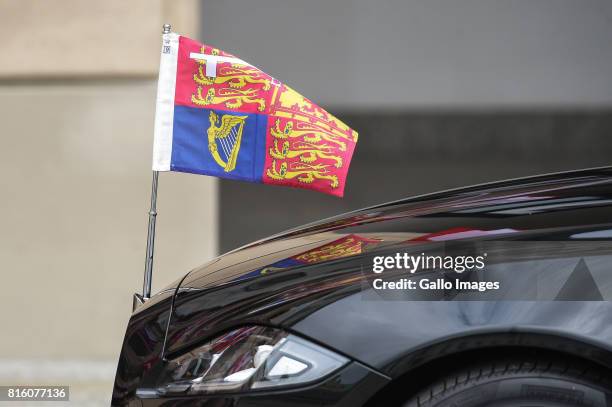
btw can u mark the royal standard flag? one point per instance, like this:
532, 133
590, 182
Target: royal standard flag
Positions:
219, 115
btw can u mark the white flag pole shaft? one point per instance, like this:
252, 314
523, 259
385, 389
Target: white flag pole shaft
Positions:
148, 274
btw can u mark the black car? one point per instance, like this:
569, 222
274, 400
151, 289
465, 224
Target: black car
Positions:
302, 318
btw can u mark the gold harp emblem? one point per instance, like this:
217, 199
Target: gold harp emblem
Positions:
224, 139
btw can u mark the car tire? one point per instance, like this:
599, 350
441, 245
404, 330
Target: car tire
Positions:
518, 383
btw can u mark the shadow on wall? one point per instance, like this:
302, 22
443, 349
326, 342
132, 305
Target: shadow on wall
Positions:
400, 155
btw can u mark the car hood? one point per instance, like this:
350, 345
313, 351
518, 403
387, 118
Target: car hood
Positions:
311, 280
282, 279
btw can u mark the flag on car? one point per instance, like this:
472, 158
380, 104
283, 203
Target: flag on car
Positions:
221, 116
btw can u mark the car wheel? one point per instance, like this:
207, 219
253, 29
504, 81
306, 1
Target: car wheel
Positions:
519, 383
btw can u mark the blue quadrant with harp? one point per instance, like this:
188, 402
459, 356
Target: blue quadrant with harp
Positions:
219, 143
224, 138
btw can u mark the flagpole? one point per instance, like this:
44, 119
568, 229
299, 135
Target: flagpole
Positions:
148, 274
146, 286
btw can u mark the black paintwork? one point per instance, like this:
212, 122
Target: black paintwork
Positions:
557, 219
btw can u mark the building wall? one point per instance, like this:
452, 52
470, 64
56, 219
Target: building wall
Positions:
396, 54
77, 96
443, 93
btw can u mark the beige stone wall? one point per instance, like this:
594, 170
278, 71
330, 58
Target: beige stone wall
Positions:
75, 181
77, 96
84, 38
